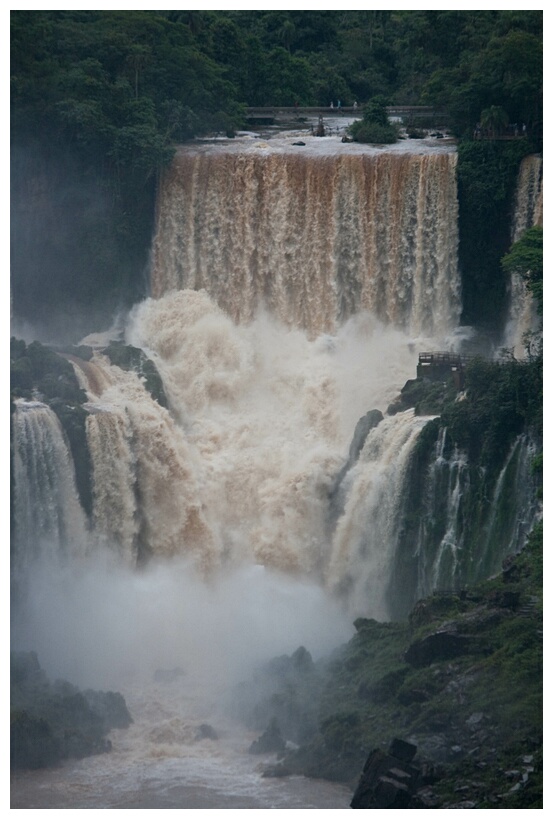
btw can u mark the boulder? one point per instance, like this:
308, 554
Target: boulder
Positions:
441, 645
403, 750
388, 781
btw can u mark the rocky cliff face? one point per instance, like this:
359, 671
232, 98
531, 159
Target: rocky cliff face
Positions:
461, 681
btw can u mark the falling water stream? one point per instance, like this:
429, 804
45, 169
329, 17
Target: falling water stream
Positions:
291, 292
528, 211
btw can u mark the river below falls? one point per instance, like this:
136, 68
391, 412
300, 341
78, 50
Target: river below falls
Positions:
158, 762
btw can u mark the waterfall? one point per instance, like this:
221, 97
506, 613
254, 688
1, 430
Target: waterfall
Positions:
448, 481
47, 514
314, 239
513, 509
290, 294
238, 471
364, 546
464, 523
145, 494
528, 211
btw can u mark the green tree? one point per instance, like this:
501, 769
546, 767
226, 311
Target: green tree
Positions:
374, 127
495, 119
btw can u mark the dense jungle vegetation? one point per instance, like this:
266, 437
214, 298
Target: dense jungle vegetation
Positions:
100, 98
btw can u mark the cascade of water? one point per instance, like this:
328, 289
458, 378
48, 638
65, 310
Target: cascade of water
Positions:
48, 516
144, 481
284, 288
446, 563
513, 509
270, 414
528, 211
461, 536
315, 239
262, 411
366, 537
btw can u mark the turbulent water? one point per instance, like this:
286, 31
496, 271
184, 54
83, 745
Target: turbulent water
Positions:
528, 211
291, 293
315, 238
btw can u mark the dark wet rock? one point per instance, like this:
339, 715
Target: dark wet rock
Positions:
206, 731
441, 645
405, 751
111, 707
388, 781
132, 358
425, 396
287, 689
270, 741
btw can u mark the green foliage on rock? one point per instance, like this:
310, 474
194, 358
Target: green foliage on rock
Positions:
374, 127
525, 259
425, 396
502, 399
474, 716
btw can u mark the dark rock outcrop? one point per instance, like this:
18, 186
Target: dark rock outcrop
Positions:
270, 741
285, 689
132, 358
470, 699
425, 396
388, 779
442, 645
53, 721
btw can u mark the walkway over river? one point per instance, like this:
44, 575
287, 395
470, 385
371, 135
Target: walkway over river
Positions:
283, 113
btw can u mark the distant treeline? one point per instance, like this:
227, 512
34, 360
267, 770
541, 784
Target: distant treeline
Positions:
100, 98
